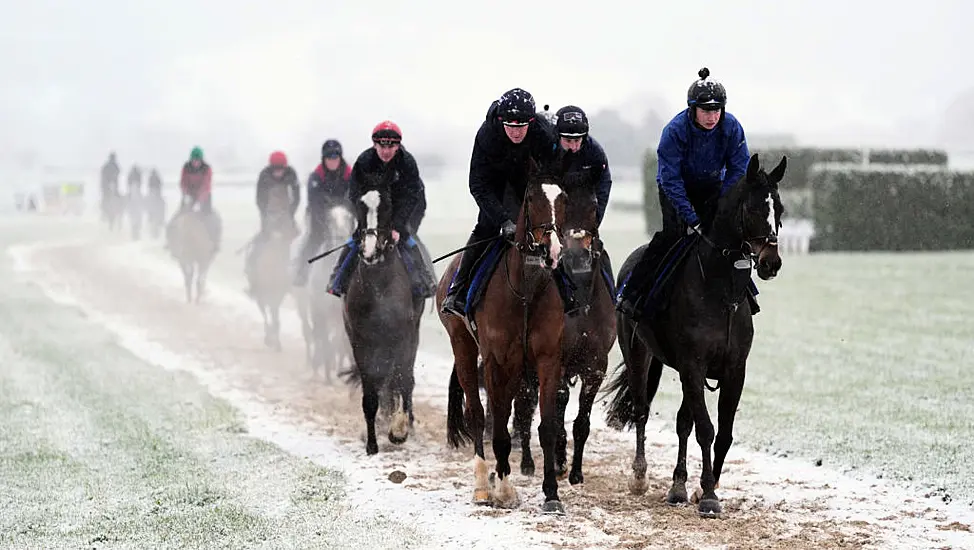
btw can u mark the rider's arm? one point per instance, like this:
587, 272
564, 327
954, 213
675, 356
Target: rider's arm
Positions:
409, 197
672, 148
483, 178
260, 196
295, 190
605, 181
184, 181
207, 184
737, 154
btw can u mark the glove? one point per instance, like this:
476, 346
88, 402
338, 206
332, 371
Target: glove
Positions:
508, 229
691, 229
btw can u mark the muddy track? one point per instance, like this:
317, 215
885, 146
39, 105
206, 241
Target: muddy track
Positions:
601, 512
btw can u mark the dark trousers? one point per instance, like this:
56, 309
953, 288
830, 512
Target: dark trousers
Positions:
461, 282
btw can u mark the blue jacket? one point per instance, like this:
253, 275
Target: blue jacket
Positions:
592, 160
690, 157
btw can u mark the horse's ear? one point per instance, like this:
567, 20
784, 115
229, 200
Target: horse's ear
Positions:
778, 173
753, 167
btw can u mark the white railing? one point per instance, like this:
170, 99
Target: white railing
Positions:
795, 236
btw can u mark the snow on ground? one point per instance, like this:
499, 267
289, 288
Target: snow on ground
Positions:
769, 501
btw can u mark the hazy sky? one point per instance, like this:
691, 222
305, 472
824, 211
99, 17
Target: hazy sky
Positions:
143, 77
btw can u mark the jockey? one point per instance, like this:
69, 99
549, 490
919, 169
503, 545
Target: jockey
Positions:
408, 204
278, 197
135, 180
579, 152
195, 183
506, 140
109, 179
327, 187
702, 153
155, 183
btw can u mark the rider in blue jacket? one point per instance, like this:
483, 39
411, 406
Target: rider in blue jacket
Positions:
702, 153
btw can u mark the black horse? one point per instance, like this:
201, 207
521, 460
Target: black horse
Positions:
704, 331
590, 330
382, 319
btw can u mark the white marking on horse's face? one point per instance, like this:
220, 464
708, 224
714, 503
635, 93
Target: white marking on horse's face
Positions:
552, 191
771, 222
371, 201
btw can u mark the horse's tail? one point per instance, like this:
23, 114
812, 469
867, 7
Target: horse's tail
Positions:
620, 412
457, 430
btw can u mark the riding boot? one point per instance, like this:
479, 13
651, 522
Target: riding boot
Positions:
336, 284
456, 296
633, 289
420, 276
752, 299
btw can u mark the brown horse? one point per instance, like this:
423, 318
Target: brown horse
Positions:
271, 276
327, 349
705, 332
590, 330
519, 326
194, 249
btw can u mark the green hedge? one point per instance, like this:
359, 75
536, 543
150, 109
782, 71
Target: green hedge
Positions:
908, 156
868, 209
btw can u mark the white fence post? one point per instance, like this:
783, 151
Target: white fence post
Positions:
795, 236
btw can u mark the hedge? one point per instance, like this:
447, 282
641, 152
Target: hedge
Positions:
869, 209
908, 156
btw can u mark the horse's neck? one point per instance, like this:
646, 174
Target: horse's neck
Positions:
384, 274
718, 277
522, 283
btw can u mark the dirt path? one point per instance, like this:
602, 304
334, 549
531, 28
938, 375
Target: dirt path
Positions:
767, 505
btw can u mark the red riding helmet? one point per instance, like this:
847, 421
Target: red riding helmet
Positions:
386, 130
278, 158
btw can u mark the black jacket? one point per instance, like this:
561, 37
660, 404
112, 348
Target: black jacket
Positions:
497, 162
591, 160
267, 183
406, 187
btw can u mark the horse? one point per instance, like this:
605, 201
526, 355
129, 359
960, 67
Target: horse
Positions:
705, 332
519, 326
270, 279
113, 209
136, 204
382, 318
194, 249
326, 345
155, 207
590, 332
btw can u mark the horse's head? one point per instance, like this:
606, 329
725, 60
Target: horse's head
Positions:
376, 208
341, 221
752, 211
576, 216
537, 232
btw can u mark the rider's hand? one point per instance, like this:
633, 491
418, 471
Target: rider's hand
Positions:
395, 236
508, 229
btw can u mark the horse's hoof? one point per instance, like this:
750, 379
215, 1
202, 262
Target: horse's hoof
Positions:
527, 468
638, 486
481, 497
576, 478
371, 449
562, 473
553, 508
709, 508
397, 440
676, 496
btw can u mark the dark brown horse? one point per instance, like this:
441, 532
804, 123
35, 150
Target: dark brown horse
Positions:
270, 279
193, 247
705, 332
382, 319
519, 326
590, 331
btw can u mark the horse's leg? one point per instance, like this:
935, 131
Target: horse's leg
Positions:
730, 396
469, 379
276, 325
693, 395
370, 406
591, 382
201, 270
644, 372
677, 494
561, 444
549, 381
489, 413
524, 405
501, 389
188, 280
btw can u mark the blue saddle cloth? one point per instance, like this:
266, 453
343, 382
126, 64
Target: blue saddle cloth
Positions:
655, 298
420, 275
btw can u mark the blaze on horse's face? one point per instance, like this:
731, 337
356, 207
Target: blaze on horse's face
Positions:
762, 211
378, 233
538, 231
576, 215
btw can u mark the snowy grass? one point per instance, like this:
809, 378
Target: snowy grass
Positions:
99, 449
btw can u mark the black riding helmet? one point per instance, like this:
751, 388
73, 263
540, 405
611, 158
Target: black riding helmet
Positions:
571, 122
516, 108
708, 95
331, 148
